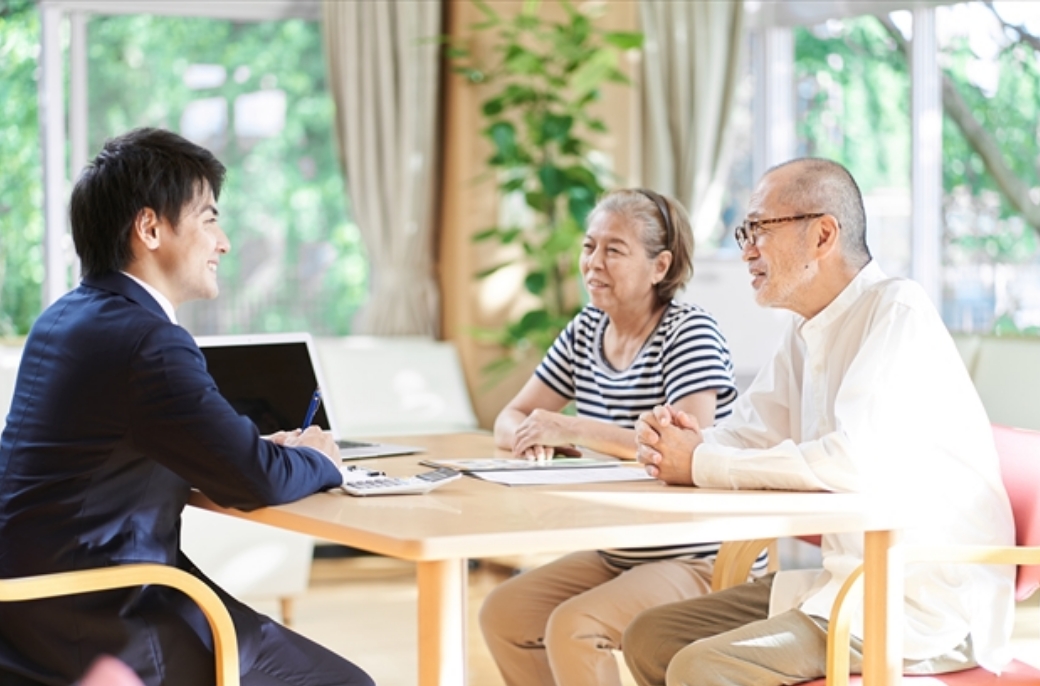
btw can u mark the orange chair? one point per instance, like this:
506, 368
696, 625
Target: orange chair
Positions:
225, 645
1019, 452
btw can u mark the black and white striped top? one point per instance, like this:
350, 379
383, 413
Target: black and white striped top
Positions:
686, 354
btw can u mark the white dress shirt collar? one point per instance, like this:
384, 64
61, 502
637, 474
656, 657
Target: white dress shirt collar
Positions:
163, 301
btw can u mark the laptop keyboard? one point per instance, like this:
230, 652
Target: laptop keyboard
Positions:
346, 445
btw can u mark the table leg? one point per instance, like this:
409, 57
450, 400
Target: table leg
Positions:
883, 609
442, 622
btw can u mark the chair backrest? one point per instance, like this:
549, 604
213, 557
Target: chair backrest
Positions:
1019, 451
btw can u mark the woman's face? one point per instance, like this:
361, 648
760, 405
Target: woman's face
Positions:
616, 270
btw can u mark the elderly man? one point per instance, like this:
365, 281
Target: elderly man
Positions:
866, 393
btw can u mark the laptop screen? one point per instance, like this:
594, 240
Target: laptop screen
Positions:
268, 379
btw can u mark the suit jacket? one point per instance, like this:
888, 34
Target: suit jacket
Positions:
114, 419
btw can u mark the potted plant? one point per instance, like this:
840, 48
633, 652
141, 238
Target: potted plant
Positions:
542, 77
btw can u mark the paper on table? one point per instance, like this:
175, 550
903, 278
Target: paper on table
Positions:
499, 464
564, 476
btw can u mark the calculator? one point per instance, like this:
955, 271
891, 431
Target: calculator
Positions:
391, 485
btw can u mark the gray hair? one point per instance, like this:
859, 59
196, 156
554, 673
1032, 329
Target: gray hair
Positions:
646, 208
826, 186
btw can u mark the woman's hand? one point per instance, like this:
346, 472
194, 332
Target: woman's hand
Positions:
542, 433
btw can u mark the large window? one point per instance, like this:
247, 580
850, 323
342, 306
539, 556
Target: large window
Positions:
991, 171
252, 92
852, 89
852, 95
21, 182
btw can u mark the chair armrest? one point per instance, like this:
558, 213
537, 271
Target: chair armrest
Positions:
839, 630
734, 561
225, 643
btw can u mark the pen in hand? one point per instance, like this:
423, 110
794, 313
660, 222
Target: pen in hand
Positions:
312, 409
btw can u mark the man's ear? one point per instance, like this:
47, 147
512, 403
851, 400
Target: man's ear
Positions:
828, 233
145, 229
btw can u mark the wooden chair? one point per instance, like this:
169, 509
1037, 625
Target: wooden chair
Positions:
225, 644
1019, 452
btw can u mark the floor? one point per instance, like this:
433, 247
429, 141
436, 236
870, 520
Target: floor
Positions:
365, 609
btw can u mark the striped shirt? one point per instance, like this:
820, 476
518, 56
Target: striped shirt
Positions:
685, 354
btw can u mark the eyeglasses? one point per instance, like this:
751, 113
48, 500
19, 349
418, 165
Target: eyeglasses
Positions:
748, 232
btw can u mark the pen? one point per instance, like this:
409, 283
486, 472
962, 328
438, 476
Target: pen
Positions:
312, 409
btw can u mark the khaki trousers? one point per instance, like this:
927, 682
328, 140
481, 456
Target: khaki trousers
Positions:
558, 624
728, 639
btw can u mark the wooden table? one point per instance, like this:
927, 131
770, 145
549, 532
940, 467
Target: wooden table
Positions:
470, 518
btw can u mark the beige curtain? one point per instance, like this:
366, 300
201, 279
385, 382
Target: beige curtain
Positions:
383, 75
691, 67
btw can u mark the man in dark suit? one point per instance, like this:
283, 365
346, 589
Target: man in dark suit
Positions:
114, 419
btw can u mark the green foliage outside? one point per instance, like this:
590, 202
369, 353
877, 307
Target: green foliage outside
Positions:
854, 75
21, 182
542, 78
868, 128
297, 261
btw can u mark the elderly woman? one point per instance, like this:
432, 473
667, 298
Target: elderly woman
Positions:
633, 347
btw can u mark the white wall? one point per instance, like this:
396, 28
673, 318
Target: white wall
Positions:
723, 287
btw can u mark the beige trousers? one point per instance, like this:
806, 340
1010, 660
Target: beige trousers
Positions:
558, 624
728, 639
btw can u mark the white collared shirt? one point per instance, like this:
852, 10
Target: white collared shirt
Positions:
871, 396
163, 301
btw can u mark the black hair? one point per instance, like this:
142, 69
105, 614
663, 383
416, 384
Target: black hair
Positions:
144, 168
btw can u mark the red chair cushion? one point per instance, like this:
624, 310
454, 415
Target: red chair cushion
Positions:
1015, 674
1019, 451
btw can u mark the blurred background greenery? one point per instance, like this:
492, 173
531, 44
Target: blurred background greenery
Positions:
255, 94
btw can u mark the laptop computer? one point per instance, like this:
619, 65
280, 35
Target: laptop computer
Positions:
271, 378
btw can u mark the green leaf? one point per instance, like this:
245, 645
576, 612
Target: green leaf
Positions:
485, 8
553, 180
594, 72
530, 8
503, 135
513, 185
559, 243
556, 127
581, 177
534, 320
484, 273
616, 76
485, 234
524, 63
535, 283
572, 146
516, 94
597, 125
580, 202
625, 40
538, 201
510, 235
580, 29
492, 107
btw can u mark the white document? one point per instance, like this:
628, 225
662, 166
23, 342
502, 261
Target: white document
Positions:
564, 476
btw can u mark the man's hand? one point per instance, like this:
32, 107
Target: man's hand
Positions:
314, 437
665, 441
540, 433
